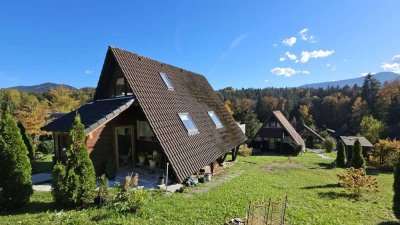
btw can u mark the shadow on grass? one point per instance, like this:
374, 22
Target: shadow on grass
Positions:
322, 186
32, 208
374, 171
389, 223
333, 195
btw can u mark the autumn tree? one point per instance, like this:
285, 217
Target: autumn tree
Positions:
229, 107
61, 100
244, 113
265, 106
359, 109
33, 113
371, 128
305, 116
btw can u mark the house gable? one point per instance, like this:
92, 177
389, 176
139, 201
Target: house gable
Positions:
191, 94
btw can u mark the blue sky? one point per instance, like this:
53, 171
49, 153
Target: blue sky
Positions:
233, 43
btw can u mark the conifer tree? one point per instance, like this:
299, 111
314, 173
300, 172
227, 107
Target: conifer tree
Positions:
341, 155
27, 141
357, 158
75, 184
396, 189
15, 167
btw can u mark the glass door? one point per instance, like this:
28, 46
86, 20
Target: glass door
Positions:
124, 145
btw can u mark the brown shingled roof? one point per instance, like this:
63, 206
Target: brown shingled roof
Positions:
192, 94
288, 127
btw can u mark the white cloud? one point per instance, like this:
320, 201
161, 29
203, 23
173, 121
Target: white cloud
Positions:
291, 56
88, 71
281, 71
306, 56
330, 66
393, 65
266, 81
290, 41
238, 40
287, 71
282, 59
305, 37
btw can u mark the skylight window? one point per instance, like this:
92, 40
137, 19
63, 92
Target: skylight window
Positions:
188, 122
215, 119
167, 82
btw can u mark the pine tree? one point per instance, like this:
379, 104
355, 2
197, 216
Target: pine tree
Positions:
396, 189
15, 167
357, 158
393, 115
341, 155
75, 184
369, 93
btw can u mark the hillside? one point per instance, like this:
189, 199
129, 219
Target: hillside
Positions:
382, 77
40, 88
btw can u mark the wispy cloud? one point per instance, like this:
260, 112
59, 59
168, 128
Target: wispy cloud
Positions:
282, 59
306, 56
393, 65
236, 42
290, 41
88, 71
287, 71
306, 37
331, 67
266, 81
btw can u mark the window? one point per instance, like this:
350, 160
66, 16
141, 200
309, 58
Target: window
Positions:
167, 81
215, 119
145, 131
188, 122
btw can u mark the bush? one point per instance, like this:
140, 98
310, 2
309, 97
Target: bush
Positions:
15, 167
244, 150
396, 189
318, 146
385, 153
46, 147
341, 155
357, 158
103, 194
129, 198
28, 142
77, 185
329, 144
357, 182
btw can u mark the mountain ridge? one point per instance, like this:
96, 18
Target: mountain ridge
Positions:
40, 88
382, 77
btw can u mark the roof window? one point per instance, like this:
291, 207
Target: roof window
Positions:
167, 82
215, 119
188, 122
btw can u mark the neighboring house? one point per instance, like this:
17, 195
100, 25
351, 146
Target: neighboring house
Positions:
310, 137
349, 143
278, 135
344, 131
143, 106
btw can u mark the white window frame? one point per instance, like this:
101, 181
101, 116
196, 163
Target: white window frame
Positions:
167, 81
191, 131
211, 114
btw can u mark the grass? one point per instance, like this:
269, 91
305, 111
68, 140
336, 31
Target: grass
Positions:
309, 181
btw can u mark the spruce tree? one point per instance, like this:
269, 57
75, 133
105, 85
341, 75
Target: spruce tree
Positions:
15, 167
396, 189
75, 184
357, 158
341, 155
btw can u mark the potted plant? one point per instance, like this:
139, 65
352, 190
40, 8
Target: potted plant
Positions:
142, 158
152, 161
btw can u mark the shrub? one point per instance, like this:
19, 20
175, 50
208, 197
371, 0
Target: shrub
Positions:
341, 155
329, 144
15, 167
396, 189
317, 146
78, 184
244, 150
59, 189
357, 182
27, 141
357, 158
103, 194
46, 147
385, 154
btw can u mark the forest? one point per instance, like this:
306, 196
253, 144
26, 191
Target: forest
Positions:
332, 108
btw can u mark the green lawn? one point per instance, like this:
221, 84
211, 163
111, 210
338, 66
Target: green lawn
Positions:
309, 182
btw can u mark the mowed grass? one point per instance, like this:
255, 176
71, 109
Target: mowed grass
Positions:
309, 182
